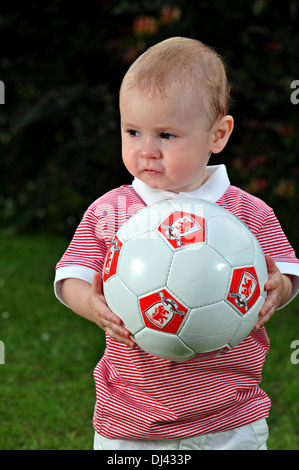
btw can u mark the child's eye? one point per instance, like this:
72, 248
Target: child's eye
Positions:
133, 133
167, 135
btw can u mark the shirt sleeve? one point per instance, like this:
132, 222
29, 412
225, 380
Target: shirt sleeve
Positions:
85, 254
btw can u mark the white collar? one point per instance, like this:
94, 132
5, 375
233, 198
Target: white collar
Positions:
212, 190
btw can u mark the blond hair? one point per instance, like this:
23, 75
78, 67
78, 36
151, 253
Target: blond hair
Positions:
177, 63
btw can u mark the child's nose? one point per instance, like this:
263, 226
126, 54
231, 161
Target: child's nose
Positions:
150, 150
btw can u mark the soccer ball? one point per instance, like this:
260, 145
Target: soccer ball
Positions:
187, 279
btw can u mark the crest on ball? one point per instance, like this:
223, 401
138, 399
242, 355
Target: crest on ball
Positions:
161, 311
244, 289
183, 228
112, 258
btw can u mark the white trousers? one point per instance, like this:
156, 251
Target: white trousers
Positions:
252, 436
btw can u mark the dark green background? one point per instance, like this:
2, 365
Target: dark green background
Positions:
62, 63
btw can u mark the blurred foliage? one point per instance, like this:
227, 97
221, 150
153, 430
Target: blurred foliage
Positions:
62, 64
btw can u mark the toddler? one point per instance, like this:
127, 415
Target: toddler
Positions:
174, 103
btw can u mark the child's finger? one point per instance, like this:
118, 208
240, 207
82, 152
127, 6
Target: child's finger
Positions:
107, 316
120, 334
267, 310
108, 320
271, 265
113, 326
273, 275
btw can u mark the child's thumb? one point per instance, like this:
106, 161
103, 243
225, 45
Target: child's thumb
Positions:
97, 284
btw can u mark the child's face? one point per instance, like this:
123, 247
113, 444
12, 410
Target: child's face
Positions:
164, 142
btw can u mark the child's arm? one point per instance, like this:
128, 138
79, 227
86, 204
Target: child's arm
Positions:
279, 288
87, 300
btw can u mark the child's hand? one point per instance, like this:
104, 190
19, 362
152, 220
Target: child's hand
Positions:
104, 317
279, 289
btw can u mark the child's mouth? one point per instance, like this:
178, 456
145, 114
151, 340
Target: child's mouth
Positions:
152, 171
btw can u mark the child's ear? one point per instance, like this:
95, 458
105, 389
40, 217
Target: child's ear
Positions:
221, 132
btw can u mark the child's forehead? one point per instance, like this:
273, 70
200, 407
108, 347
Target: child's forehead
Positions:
167, 97
167, 87
176, 106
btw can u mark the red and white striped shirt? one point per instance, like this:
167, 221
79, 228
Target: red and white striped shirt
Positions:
139, 396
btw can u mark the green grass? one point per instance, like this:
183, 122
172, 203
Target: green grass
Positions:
46, 384
47, 390
281, 379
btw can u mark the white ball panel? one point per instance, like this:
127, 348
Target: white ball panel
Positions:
144, 221
163, 345
192, 282
123, 303
210, 327
144, 264
232, 240
247, 323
